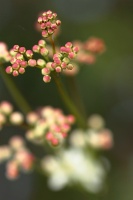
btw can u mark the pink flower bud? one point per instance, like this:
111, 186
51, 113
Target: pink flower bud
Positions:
71, 119
76, 49
9, 70
16, 48
57, 61
44, 51
15, 66
44, 34
15, 73
22, 50
54, 15
63, 49
58, 22
13, 60
53, 26
55, 142
43, 26
50, 31
49, 12
45, 19
50, 16
36, 48
44, 13
32, 62
19, 56
23, 63
63, 65
58, 69
21, 70
45, 71
6, 107
41, 43
48, 24
53, 65
68, 45
49, 136
29, 53
71, 55
12, 170
46, 78
32, 118
39, 19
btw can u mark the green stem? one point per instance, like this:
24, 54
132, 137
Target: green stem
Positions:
17, 96
65, 97
53, 45
74, 92
70, 105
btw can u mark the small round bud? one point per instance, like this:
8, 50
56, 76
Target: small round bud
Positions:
32, 62
16, 118
15, 73
44, 34
36, 48
41, 62
29, 53
16, 48
15, 66
45, 71
41, 43
9, 70
22, 50
71, 55
58, 69
58, 22
44, 51
6, 107
21, 70
46, 78
23, 63
70, 66
16, 142
31, 118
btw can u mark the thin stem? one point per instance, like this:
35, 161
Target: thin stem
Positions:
74, 92
17, 96
65, 97
70, 105
53, 45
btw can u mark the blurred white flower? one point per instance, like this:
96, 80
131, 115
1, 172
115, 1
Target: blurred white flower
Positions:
74, 166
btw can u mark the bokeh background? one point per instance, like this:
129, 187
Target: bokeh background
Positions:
106, 86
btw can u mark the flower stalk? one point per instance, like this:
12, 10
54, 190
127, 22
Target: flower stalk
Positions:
65, 97
16, 94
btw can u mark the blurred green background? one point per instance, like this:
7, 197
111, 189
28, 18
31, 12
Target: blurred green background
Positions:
106, 86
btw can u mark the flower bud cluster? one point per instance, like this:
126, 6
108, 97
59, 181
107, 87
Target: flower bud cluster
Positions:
18, 157
95, 45
48, 23
49, 125
89, 50
21, 58
97, 136
8, 116
61, 61
4, 53
41, 48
